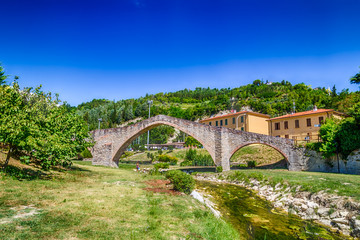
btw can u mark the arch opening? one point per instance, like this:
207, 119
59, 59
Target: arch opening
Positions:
123, 147
259, 155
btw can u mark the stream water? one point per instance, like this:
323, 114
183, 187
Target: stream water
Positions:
255, 218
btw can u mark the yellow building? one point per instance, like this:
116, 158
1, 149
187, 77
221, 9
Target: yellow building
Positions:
301, 126
244, 121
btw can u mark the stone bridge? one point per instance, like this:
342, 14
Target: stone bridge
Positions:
220, 142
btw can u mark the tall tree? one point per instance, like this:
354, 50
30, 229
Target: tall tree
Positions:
355, 79
3, 77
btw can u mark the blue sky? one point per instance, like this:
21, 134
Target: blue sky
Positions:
119, 49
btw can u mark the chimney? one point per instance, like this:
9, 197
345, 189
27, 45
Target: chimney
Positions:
315, 108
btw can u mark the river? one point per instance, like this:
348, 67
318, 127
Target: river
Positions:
255, 218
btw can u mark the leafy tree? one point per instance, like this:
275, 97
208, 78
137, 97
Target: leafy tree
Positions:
355, 79
192, 142
33, 123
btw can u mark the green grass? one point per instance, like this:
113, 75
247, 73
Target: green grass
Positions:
260, 153
95, 202
340, 184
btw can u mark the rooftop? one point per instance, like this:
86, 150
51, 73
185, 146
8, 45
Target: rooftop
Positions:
298, 114
235, 114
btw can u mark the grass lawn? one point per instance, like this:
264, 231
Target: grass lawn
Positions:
94, 202
340, 184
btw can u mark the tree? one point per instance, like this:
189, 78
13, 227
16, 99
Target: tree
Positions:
34, 124
3, 77
355, 79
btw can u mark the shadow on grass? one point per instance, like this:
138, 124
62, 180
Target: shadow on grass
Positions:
25, 173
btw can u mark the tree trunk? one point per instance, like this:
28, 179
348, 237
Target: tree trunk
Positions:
7, 158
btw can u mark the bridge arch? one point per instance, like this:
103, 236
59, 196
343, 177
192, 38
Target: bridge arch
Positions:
119, 150
261, 143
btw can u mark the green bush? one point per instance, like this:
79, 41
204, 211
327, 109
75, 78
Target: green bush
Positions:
167, 158
86, 153
194, 159
219, 169
126, 154
181, 181
251, 164
161, 165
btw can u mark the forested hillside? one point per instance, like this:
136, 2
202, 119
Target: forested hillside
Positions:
270, 98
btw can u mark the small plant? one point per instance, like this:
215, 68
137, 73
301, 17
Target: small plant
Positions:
219, 169
161, 165
168, 159
86, 153
331, 211
181, 181
251, 164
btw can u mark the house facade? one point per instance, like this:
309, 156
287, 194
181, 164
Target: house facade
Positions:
244, 121
301, 126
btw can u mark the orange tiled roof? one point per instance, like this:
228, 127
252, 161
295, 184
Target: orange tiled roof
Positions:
234, 114
303, 113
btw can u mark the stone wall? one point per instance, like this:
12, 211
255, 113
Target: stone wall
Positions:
314, 162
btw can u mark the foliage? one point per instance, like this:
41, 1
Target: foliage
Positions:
251, 164
181, 181
151, 156
219, 169
86, 153
161, 165
192, 142
166, 158
32, 122
339, 136
127, 154
355, 79
3, 77
190, 154
274, 99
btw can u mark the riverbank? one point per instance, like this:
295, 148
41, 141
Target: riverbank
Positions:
335, 206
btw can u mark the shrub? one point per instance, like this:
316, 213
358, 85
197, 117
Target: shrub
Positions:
161, 165
126, 154
181, 181
167, 158
190, 154
251, 164
219, 169
86, 153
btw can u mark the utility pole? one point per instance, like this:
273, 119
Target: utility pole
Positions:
100, 120
148, 137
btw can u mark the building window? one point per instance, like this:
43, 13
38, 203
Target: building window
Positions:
308, 122
277, 126
286, 125
297, 125
242, 128
217, 123
286, 136
321, 120
242, 119
233, 120
225, 121
210, 123
277, 136
221, 122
